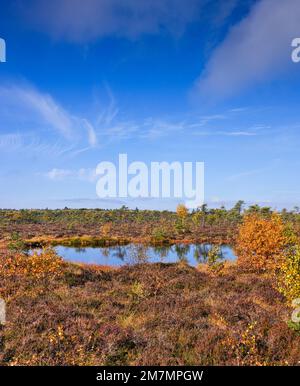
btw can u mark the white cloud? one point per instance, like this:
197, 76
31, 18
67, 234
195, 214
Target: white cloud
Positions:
26, 104
81, 21
157, 128
48, 109
92, 136
255, 49
248, 173
41, 118
238, 133
207, 119
58, 174
83, 174
40, 114
225, 133
30, 144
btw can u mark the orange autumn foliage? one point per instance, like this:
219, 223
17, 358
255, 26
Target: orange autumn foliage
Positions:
261, 242
182, 211
46, 264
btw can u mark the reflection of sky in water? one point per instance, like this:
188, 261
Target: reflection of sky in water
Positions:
120, 255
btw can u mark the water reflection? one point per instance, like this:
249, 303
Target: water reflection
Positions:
192, 254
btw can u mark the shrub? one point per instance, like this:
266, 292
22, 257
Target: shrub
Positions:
35, 266
159, 236
261, 242
289, 277
16, 244
214, 259
182, 211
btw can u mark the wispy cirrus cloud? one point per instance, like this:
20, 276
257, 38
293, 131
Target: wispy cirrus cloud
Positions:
31, 144
157, 128
43, 120
225, 133
266, 169
25, 104
47, 108
246, 173
92, 135
47, 127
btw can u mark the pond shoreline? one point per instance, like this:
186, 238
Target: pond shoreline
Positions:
91, 241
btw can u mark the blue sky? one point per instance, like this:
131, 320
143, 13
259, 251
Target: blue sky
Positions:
168, 80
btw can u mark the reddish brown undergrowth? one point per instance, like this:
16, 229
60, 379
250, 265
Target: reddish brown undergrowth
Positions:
149, 314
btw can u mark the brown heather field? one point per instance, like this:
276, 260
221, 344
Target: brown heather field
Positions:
150, 314
146, 314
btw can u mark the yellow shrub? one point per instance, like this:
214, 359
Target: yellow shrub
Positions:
289, 278
36, 266
182, 211
261, 242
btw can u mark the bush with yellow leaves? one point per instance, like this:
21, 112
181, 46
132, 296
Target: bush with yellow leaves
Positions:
269, 244
46, 264
261, 242
182, 211
289, 277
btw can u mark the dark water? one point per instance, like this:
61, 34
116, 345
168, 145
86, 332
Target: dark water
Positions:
193, 254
